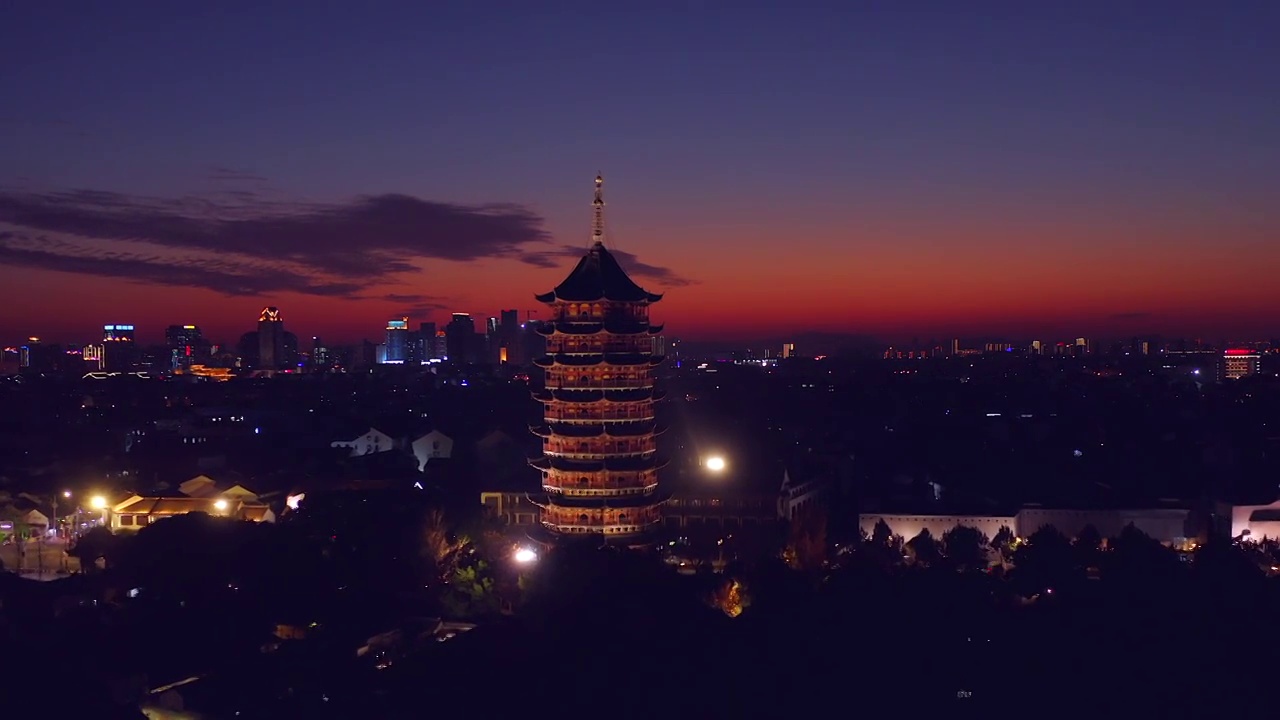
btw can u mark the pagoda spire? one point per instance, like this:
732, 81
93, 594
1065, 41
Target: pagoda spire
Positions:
597, 212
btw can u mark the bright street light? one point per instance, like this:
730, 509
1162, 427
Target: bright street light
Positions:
525, 556
715, 463
220, 504
97, 502
66, 493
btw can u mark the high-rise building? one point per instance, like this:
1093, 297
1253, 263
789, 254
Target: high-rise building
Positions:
119, 350
114, 333
271, 351
1238, 363
319, 354
427, 336
599, 464
397, 341
788, 350
460, 339
184, 343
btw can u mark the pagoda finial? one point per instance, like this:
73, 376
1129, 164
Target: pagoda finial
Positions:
597, 205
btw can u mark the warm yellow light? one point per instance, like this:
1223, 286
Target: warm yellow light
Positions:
97, 502
220, 504
525, 555
66, 493
715, 464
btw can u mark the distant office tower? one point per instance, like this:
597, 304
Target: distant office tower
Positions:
119, 348
1082, 346
427, 336
320, 355
1037, 348
397, 341
271, 346
491, 326
955, 346
94, 356
184, 342
113, 333
460, 335
788, 350
1240, 363
510, 349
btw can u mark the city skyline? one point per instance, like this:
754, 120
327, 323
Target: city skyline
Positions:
1042, 172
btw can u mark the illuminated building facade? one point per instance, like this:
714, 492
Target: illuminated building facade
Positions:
599, 464
397, 341
270, 339
119, 352
1240, 363
184, 345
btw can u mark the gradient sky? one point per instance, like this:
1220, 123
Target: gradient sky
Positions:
890, 168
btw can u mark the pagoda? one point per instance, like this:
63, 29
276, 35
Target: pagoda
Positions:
599, 463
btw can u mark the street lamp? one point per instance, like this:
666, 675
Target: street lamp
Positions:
97, 502
715, 464
524, 556
220, 505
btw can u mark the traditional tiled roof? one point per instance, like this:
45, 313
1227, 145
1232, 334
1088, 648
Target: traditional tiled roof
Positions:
598, 276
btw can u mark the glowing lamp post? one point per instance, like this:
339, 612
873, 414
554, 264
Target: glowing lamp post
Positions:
97, 502
715, 464
220, 505
524, 556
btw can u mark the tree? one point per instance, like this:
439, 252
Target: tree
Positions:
966, 547
923, 548
730, 597
472, 593
1043, 561
97, 543
1088, 547
881, 534
441, 549
806, 548
1003, 540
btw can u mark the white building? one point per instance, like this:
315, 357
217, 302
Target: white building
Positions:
1256, 522
1163, 524
371, 441
434, 444
796, 496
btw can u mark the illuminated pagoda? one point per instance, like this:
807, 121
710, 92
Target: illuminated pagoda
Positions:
599, 464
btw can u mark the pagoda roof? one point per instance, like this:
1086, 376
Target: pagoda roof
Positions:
592, 396
612, 464
587, 360
629, 429
598, 276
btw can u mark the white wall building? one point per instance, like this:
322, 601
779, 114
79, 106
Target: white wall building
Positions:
372, 441
1259, 521
434, 444
1163, 524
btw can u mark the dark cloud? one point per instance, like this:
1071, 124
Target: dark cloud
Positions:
1131, 316
237, 243
368, 239
229, 278
629, 262
225, 174
417, 305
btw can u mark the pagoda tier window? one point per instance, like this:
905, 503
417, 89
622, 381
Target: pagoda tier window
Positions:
583, 519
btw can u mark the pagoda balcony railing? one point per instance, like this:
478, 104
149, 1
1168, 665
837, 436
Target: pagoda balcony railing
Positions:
597, 455
598, 528
576, 382
609, 491
569, 348
560, 413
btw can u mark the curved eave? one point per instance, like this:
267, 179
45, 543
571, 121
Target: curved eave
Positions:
656, 329
593, 359
559, 296
595, 396
588, 431
617, 465
617, 502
